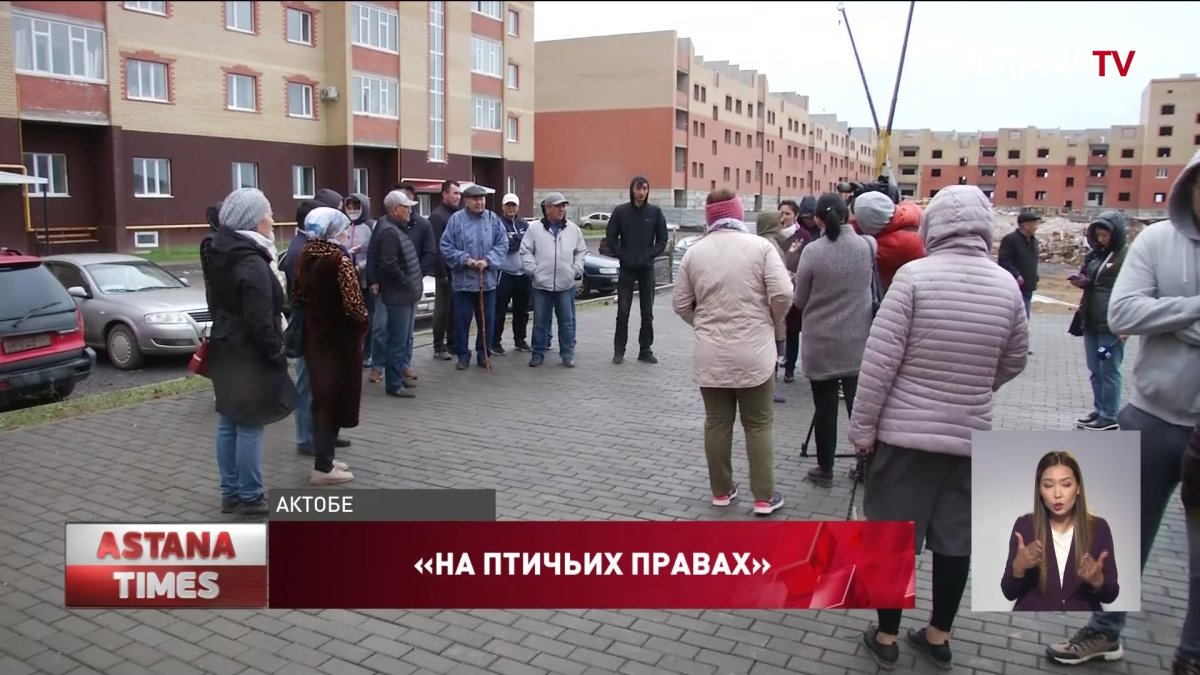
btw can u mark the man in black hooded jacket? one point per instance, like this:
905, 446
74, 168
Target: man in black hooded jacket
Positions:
637, 235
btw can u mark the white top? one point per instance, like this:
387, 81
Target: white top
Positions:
1062, 550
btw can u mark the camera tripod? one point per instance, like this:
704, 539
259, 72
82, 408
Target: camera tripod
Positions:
857, 472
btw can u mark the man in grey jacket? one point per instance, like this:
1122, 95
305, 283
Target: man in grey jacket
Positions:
1156, 297
552, 254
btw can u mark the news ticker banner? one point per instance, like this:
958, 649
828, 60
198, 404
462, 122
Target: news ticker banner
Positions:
390, 549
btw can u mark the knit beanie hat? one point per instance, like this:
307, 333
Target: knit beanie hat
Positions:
244, 209
730, 209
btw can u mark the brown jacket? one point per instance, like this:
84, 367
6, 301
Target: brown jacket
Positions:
769, 228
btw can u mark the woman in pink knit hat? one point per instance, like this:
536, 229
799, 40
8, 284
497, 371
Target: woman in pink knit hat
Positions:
733, 289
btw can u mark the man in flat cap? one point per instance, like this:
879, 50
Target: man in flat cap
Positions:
474, 246
1019, 254
552, 253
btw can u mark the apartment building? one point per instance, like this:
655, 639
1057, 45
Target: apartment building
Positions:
141, 114
612, 107
1127, 167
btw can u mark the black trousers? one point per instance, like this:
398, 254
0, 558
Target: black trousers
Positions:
443, 317
825, 399
644, 280
323, 439
949, 584
518, 290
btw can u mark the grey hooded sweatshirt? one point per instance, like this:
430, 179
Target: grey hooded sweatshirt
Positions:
1157, 297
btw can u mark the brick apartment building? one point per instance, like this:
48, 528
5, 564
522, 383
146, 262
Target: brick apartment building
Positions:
141, 114
1127, 167
611, 107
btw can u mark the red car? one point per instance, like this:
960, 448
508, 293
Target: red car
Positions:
42, 353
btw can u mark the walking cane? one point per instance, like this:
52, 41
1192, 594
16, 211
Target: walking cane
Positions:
487, 362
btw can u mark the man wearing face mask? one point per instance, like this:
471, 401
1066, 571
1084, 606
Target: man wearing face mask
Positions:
358, 210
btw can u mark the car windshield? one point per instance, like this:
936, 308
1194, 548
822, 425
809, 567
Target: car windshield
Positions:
30, 289
131, 277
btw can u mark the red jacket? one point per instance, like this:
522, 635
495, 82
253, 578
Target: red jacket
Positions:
899, 243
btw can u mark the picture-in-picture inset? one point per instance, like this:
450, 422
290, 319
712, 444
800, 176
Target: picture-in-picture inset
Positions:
1055, 521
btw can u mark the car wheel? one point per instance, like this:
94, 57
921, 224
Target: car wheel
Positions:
64, 390
122, 348
581, 289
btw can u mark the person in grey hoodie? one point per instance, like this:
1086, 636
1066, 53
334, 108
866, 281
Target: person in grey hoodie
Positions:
552, 253
1157, 298
358, 210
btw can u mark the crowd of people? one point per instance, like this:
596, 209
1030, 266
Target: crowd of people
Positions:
901, 315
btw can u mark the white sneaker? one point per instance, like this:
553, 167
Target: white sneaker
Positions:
334, 477
338, 464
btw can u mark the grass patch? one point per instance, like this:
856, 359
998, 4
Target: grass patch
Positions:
593, 234
83, 405
172, 254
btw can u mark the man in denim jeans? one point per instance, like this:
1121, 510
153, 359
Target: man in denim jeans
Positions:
1156, 297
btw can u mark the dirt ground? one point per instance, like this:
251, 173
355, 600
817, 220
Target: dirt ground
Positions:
1053, 284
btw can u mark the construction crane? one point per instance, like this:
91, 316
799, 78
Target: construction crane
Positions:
882, 166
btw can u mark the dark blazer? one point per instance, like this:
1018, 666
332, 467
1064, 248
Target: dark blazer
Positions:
1020, 255
335, 322
247, 364
1071, 594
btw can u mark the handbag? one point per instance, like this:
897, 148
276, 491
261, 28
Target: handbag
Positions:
1076, 327
199, 363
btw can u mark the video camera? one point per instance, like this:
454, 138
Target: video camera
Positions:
882, 185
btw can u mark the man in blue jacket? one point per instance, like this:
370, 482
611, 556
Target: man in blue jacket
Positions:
474, 247
514, 284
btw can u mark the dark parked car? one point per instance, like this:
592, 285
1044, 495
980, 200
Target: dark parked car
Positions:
599, 275
42, 351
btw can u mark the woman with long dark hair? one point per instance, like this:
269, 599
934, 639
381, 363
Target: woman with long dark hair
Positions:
1060, 555
833, 294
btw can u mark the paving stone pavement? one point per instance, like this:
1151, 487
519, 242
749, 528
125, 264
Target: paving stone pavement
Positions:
597, 442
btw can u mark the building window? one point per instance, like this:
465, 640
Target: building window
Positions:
374, 28
936, 173
1070, 181
514, 76
159, 8
1039, 196
510, 184
437, 81
488, 9
239, 16
1122, 196
1126, 173
52, 167
1043, 153
1160, 174
299, 26
1014, 154
146, 81
151, 177
304, 182
1160, 197
1166, 109
513, 134
1043, 173
1127, 153
375, 97
486, 115
514, 23
300, 100
937, 154
245, 175
361, 184
1163, 153
1011, 194
486, 56
240, 92
1166, 131
58, 48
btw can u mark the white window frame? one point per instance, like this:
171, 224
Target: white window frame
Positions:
306, 27
306, 98
136, 73
1160, 197
34, 168
362, 183
231, 18
486, 110
382, 94
364, 16
155, 166
512, 76
510, 184
512, 129
1160, 174
513, 24
492, 10
147, 7
487, 57
299, 173
231, 92
239, 175
145, 239
437, 81
40, 61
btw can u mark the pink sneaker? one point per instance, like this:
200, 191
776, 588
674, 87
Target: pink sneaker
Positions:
726, 499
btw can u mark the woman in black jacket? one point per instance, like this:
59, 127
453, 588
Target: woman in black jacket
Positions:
1104, 351
246, 358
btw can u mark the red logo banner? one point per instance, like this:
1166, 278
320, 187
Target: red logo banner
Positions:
592, 564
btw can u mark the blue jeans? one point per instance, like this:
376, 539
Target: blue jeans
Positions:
303, 413
1163, 445
398, 331
379, 332
465, 306
1106, 374
406, 360
239, 460
562, 303
1028, 298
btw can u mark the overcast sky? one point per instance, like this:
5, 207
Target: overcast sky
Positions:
970, 65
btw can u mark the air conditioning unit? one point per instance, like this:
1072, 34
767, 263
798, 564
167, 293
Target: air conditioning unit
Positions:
329, 93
